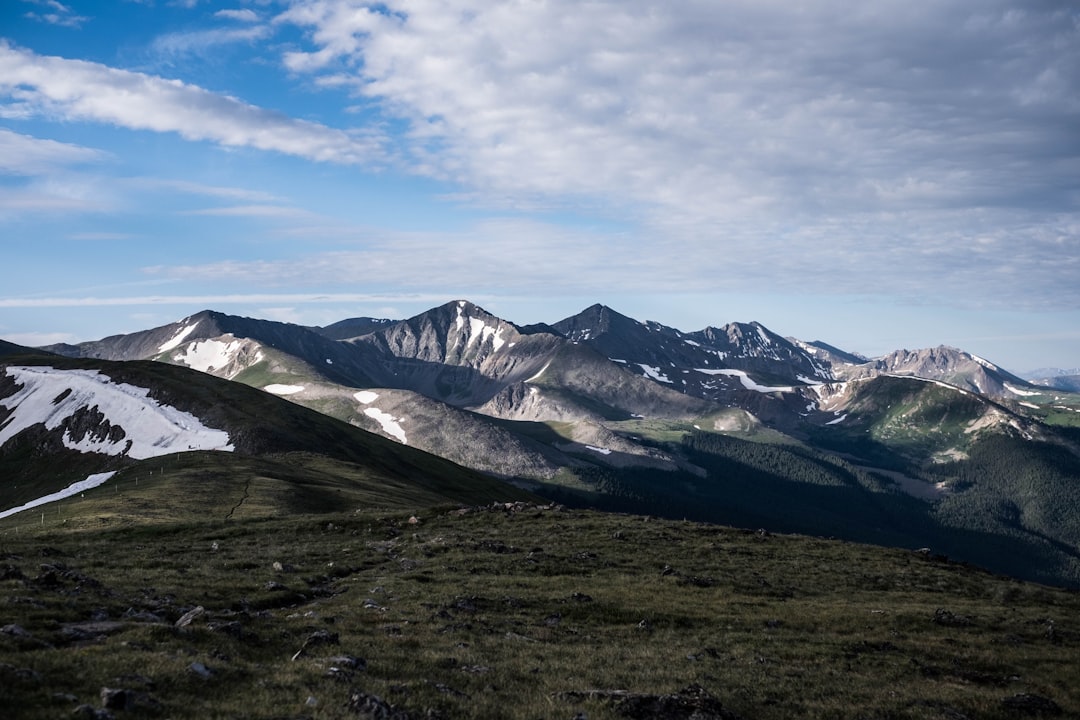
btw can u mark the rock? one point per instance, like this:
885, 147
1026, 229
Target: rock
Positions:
16, 631
275, 586
319, 637
372, 707
116, 698
9, 673
349, 662
201, 670
188, 617
92, 713
692, 702
553, 619
1031, 704
949, 619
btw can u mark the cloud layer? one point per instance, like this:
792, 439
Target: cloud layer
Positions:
786, 139
81, 90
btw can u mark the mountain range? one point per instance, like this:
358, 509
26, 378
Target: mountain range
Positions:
736, 424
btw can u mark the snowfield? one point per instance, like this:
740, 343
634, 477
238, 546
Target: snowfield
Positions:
277, 389
207, 355
51, 396
73, 489
654, 373
390, 424
177, 338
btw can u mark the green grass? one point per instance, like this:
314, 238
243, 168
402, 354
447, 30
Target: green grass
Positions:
538, 612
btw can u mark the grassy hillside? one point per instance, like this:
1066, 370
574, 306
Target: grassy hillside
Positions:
516, 612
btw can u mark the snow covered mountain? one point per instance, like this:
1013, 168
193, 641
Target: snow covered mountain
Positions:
714, 363
731, 423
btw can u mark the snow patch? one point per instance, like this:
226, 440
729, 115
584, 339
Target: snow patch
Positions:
388, 422
207, 355
837, 420
602, 451
542, 371
283, 389
366, 396
73, 489
746, 380
177, 339
1021, 392
692, 343
1033, 406
654, 373
150, 428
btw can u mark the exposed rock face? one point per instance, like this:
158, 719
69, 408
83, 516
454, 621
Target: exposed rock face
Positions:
947, 364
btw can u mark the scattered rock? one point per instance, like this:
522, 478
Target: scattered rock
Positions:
116, 698
691, 703
319, 637
949, 619
1031, 704
349, 662
89, 712
232, 628
372, 707
16, 631
189, 617
10, 674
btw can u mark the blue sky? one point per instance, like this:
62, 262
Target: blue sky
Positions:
895, 174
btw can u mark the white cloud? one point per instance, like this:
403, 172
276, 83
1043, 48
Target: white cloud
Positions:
96, 236
200, 41
194, 188
216, 299
256, 211
38, 339
80, 90
26, 155
59, 14
241, 15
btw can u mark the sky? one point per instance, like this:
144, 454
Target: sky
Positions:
883, 175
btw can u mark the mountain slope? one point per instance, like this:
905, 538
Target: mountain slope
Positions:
947, 364
102, 416
606, 411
